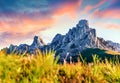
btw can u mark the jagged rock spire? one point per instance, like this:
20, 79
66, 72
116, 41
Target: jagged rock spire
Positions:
83, 23
37, 42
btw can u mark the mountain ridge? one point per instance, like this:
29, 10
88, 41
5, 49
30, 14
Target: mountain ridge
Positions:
69, 45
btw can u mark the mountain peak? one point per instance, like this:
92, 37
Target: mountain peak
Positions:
37, 42
74, 42
83, 23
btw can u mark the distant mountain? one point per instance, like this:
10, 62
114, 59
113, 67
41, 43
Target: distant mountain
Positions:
117, 45
24, 48
72, 44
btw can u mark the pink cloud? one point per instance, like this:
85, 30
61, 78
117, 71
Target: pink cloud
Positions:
108, 25
16, 28
90, 7
68, 8
24, 25
113, 26
111, 13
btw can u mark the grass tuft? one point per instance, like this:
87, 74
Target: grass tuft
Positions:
43, 68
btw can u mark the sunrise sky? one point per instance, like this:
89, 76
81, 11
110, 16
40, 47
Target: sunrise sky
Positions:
21, 20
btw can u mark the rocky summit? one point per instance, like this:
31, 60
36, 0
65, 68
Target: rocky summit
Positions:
24, 48
70, 45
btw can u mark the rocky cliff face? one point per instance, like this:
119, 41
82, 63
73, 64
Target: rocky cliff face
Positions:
117, 45
78, 39
22, 48
72, 44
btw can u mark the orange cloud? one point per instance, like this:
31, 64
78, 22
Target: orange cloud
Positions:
25, 25
68, 8
111, 13
17, 30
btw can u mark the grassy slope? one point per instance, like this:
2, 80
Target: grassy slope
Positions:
43, 69
103, 54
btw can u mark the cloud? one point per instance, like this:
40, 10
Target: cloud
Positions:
22, 19
113, 26
114, 4
24, 25
111, 13
88, 8
31, 8
31, 18
108, 25
23, 6
68, 8
14, 31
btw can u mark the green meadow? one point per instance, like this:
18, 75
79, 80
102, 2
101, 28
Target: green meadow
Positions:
43, 68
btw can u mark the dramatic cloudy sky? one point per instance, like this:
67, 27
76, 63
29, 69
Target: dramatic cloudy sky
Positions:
20, 20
